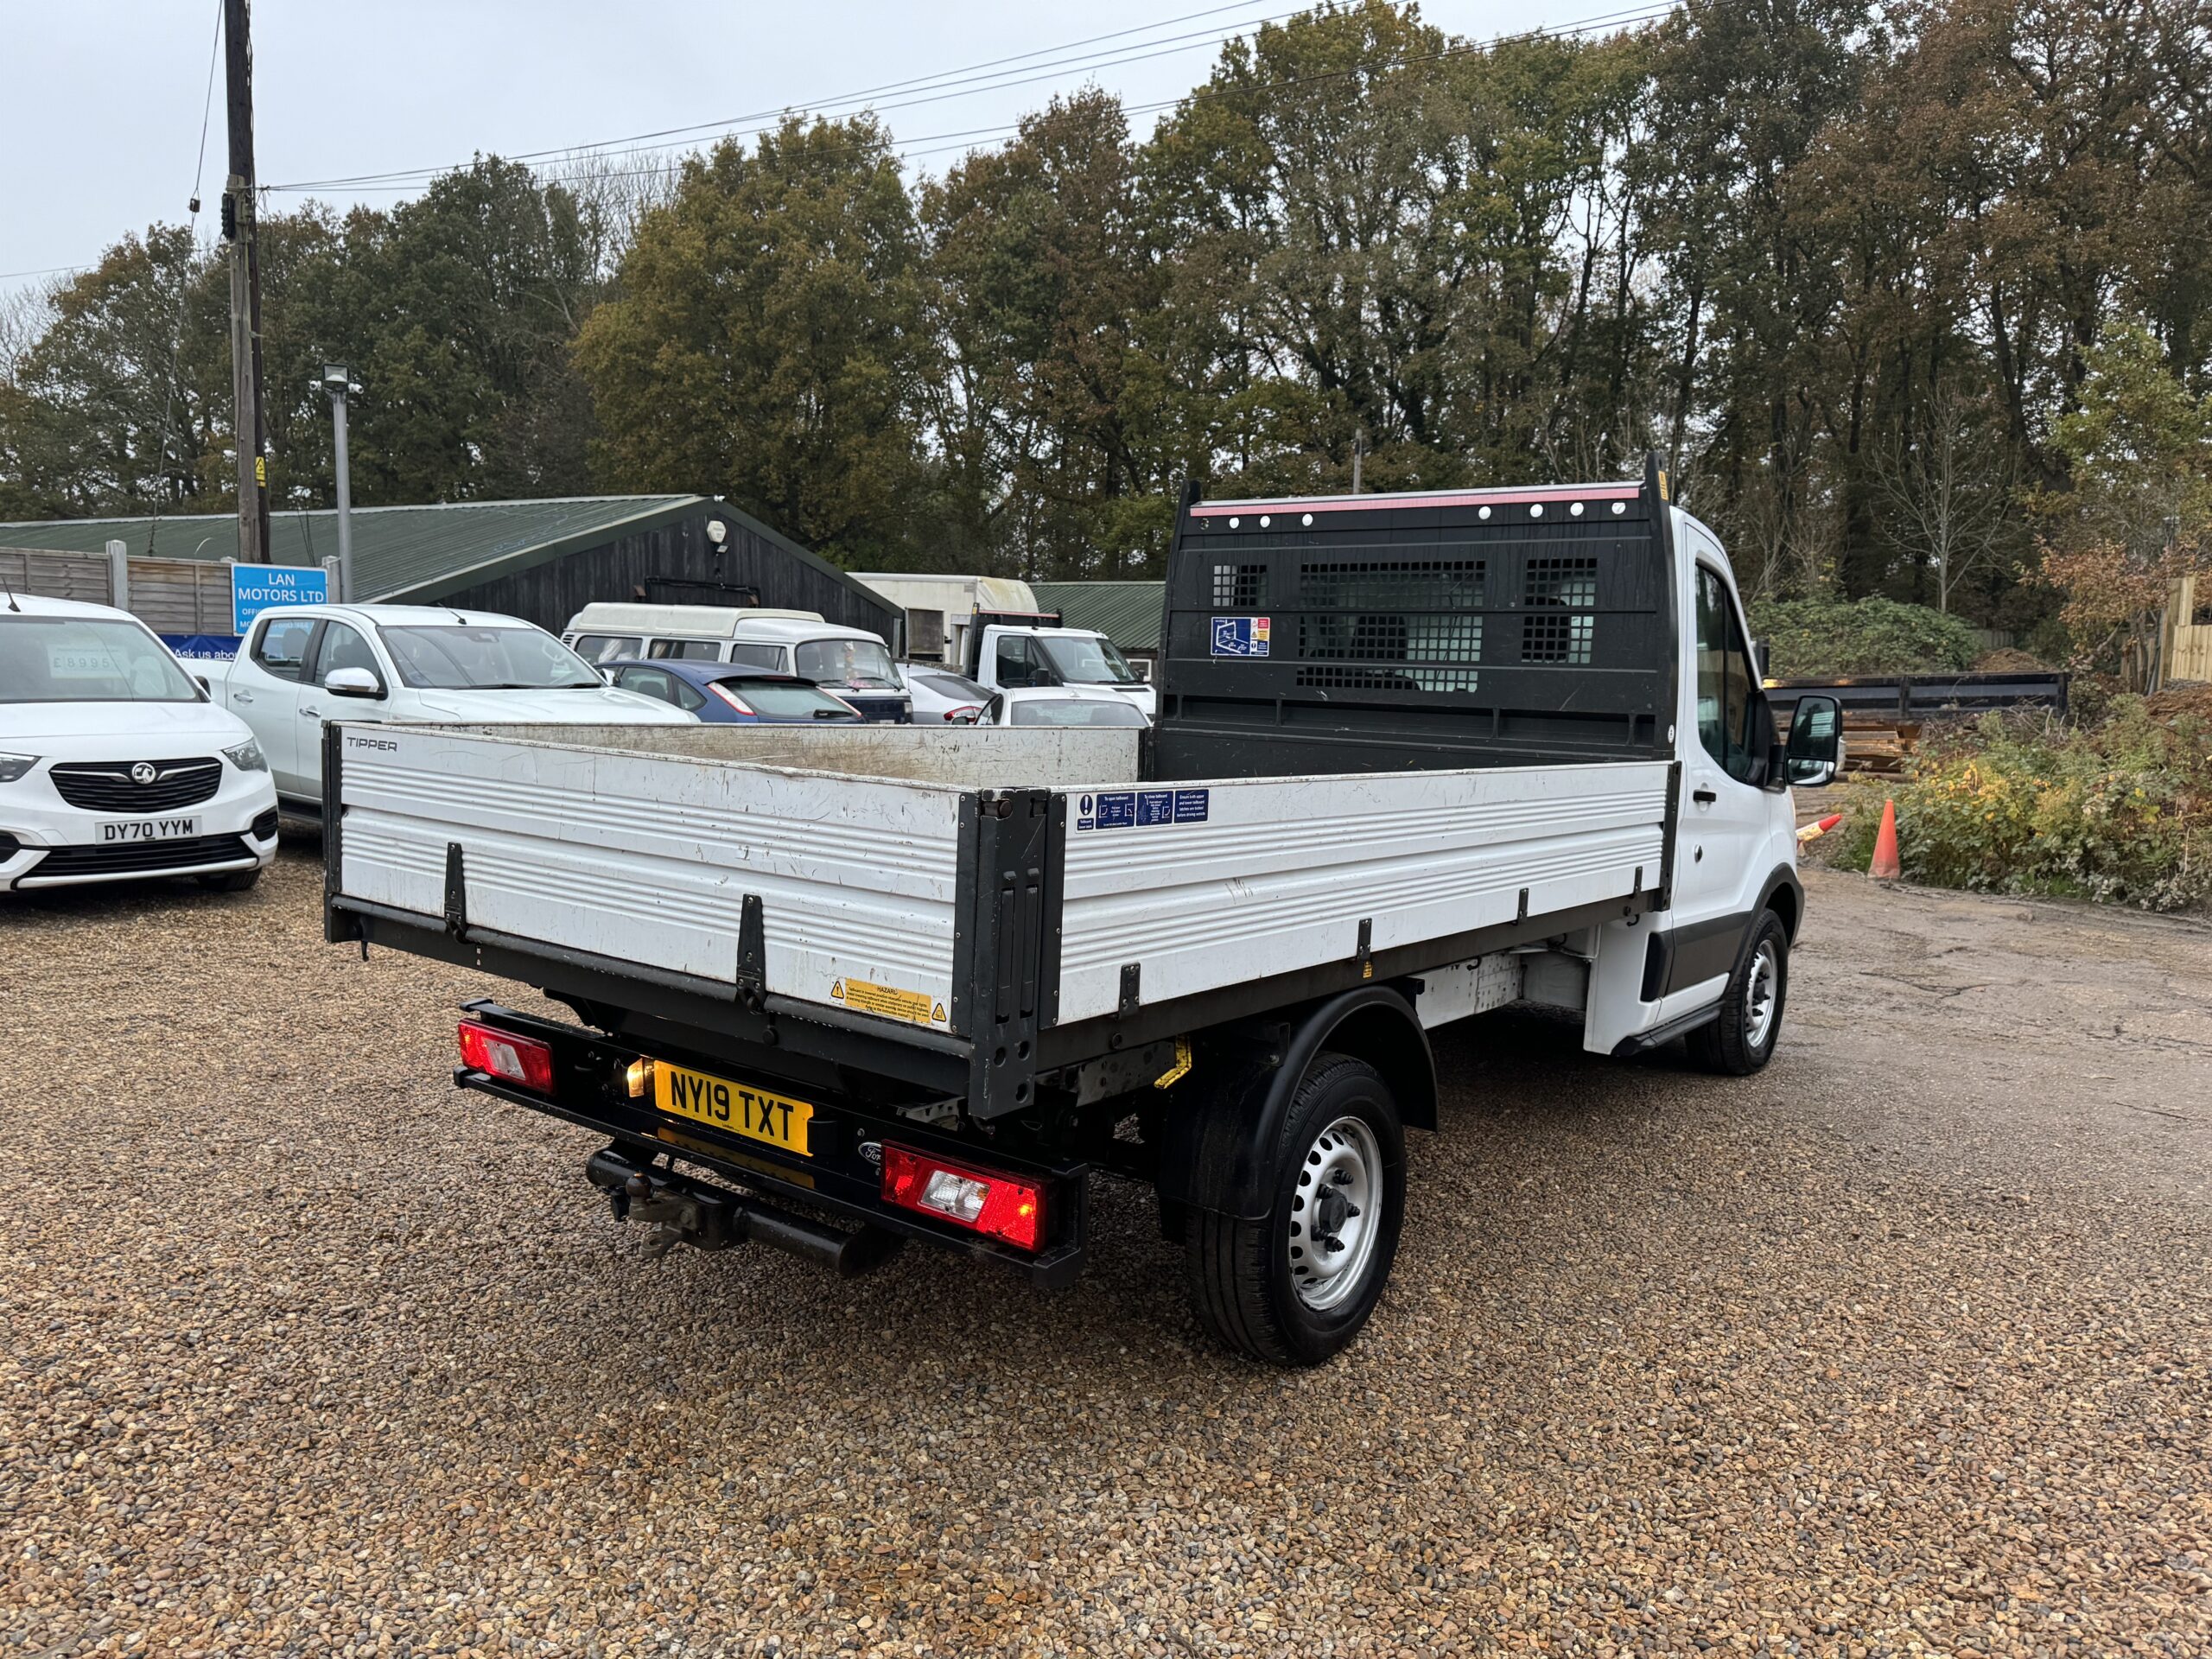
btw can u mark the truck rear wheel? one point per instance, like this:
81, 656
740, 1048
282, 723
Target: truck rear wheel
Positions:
1742, 1039
1296, 1286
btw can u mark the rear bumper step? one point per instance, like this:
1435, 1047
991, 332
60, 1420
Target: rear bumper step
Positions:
679, 1211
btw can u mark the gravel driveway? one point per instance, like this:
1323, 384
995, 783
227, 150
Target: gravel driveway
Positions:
1902, 1345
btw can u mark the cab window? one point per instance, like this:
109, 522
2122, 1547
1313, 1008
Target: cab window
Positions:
1016, 664
343, 647
282, 646
1726, 683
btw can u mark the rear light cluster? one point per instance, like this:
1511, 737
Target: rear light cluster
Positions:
731, 698
523, 1061
965, 712
984, 1201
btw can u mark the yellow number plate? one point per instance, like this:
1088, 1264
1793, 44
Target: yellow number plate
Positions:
775, 1119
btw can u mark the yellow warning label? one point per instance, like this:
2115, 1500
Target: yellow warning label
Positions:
913, 1007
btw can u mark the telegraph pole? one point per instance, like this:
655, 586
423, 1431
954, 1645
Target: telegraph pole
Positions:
245, 287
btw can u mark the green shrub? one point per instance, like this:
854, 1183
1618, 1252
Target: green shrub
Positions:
1817, 639
2120, 812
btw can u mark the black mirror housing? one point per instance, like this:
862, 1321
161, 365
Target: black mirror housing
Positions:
1814, 753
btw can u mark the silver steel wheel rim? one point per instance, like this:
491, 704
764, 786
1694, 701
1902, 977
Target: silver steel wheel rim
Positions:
1761, 996
1336, 1214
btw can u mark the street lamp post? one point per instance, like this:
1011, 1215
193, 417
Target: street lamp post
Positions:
338, 383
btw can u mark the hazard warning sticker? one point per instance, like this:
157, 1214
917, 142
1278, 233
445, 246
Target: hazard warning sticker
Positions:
888, 1002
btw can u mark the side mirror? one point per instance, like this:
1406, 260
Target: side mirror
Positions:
352, 683
1814, 753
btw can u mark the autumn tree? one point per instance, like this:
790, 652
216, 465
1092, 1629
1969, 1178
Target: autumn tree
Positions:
768, 340
1050, 409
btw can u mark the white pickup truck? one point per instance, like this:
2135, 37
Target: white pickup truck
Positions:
1418, 757
302, 664
1011, 653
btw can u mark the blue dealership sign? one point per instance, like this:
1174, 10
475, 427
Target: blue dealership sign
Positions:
258, 587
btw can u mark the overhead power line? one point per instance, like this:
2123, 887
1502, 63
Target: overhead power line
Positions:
184, 276
966, 80
1604, 22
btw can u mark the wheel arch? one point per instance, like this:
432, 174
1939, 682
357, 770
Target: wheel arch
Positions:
1225, 1119
1783, 894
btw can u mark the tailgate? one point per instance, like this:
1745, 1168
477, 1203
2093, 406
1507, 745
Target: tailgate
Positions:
650, 859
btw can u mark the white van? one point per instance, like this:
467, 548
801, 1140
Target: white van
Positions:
852, 662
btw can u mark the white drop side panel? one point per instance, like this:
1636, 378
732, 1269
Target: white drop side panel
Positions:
1210, 885
647, 858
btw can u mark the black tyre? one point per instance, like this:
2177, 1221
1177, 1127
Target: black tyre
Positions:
1293, 1288
229, 881
1742, 1039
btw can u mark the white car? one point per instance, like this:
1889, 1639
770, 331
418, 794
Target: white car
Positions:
1056, 707
302, 664
114, 764
942, 694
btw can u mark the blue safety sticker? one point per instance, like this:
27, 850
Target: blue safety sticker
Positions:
1141, 808
1240, 636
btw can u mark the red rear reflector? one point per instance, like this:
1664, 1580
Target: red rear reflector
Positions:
982, 1200
521, 1060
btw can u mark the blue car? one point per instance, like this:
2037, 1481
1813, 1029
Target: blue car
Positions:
726, 693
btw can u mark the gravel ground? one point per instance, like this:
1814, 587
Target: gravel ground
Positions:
1901, 1345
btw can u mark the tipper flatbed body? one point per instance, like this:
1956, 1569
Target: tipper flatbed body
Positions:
1417, 758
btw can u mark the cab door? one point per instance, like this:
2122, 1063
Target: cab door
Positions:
263, 690
1723, 822
339, 645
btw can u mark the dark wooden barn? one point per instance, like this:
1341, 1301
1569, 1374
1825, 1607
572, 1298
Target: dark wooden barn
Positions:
542, 561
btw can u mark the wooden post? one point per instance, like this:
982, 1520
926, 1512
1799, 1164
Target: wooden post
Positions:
245, 289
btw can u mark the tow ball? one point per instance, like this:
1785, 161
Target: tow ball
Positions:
677, 1210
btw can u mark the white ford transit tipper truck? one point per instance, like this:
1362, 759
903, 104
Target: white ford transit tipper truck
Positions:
1417, 757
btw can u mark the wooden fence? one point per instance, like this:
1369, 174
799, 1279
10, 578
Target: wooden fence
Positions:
2189, 631
170, 595
87, 576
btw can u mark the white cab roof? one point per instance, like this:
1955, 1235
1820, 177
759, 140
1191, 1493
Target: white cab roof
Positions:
405, 616
680, 621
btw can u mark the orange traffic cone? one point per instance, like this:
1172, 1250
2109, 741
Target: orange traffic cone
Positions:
1885, 867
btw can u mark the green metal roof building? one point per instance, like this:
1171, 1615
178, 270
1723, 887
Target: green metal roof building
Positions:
542, 561
1127, 612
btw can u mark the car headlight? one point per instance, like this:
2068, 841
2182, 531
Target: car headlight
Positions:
13, 767
248, 757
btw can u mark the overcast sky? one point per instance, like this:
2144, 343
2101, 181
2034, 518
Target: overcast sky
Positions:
102, 117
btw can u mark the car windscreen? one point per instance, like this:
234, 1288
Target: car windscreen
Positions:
789, 700
1087, 662
1076, 711
861, 662
462, 658
86, 659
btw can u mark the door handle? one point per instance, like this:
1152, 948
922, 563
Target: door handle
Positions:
1703, 797
311, 714
241, 697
